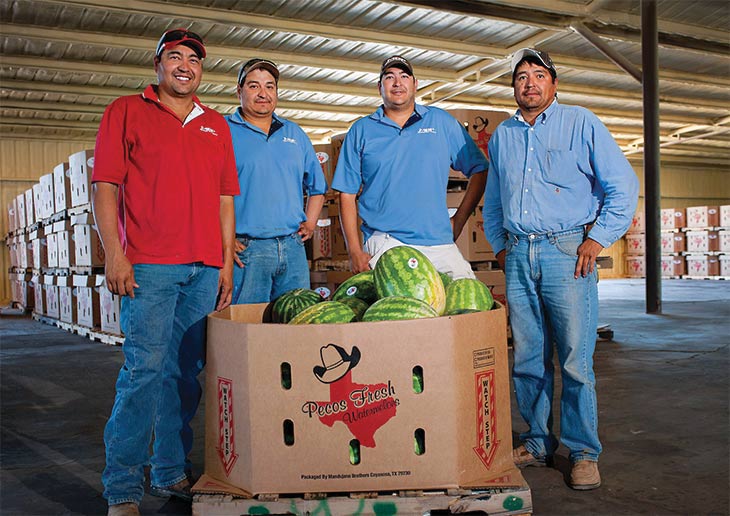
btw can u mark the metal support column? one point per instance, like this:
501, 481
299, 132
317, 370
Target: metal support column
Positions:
652, 192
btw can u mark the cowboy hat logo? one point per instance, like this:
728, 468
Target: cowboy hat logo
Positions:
335, 363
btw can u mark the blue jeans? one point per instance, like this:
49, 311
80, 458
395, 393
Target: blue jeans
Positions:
548, 306
271, 266
157, 389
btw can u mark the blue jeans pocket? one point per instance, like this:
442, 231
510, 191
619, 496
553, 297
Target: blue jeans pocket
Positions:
569, 244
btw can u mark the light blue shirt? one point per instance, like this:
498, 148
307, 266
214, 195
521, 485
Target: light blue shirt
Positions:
404, 172
564, 171
273, 172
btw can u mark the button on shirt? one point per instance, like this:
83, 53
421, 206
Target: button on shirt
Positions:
564, 171
273, 171
404, 172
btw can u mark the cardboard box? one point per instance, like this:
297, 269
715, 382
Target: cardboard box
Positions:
672, 218
39, 298
50, 290
47, 197
352, 387
67, 300
480, 124
336, 142
52, 249
12, 216
635, 244
725, 216
88, 251
40, 250
724, 265
320, 245
673, 266
702, 265
38, 202
81, 165
638, 223
109, 304
21, 289
723, 237
61, 187
87, 299
703, 216
29, 207
20, 213
672, 242
324, 156
636, 266
702, 241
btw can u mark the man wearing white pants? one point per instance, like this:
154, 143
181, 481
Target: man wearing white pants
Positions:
393, 171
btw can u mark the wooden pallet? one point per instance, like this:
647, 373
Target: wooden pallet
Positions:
497, 501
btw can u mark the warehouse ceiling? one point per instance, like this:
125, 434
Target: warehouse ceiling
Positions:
62, 62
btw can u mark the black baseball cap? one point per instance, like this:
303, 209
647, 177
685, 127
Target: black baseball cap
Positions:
398, 62
541, 56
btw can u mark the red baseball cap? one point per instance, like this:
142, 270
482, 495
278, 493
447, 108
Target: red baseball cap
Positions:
174, 37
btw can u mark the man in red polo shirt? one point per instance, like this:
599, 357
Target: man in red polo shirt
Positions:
164, 180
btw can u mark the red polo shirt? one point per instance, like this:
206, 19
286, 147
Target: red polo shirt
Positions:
171, 175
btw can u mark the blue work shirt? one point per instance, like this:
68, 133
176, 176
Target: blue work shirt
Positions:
273, 172
564, 171
404, 172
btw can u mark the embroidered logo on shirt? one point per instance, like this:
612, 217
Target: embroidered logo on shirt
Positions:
208, 130
286, 139
427, 130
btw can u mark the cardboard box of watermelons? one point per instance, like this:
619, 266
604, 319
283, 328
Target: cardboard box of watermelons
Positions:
353, 407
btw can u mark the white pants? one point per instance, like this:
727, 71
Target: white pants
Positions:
446, 258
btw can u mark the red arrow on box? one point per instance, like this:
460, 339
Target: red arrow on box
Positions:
486, 413
226, 437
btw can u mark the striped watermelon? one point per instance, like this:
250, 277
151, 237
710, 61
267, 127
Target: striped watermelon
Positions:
356, 304
360, 285
398, 308
445, 278
289, 304
326, 312
404, 271
464, 295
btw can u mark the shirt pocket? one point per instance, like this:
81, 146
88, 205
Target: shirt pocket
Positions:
560, 168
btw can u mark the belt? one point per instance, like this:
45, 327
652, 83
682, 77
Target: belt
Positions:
249, 237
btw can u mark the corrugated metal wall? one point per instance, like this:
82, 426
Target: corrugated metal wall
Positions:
22, 162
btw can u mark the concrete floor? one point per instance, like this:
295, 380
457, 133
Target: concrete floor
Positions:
663, 400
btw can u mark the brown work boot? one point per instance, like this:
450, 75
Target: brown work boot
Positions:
523, 458
180, 490
585, 476
124, 509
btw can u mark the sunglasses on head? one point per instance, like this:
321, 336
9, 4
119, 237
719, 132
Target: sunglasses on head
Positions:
251, 62
180, 36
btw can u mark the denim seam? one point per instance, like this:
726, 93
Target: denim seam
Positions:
125, 499
179, 479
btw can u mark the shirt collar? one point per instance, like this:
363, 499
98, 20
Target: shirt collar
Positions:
542, 117
419, 111
150, 93
237, 118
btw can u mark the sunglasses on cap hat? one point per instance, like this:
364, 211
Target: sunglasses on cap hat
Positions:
397, 62
174, 37
541, 56
255, 64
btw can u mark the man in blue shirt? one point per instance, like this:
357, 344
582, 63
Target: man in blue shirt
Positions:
398, 160
559, 191
276, 163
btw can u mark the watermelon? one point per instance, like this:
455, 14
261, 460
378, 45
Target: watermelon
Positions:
404, 271
356, 304
326, 312
360, 285
398, 308
467, 295
445, 278
289, 304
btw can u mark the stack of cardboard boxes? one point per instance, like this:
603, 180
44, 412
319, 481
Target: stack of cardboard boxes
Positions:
694, 243
56, 255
